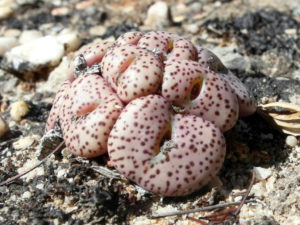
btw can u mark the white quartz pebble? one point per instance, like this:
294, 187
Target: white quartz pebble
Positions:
29, 35
70, 39
157, 15
262, 173
6, 43
44, 51
291, 141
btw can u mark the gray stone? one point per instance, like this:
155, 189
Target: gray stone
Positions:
8, 82
231, 59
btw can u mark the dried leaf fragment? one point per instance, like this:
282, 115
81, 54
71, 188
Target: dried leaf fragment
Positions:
284, 116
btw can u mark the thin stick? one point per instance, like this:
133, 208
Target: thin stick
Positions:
231, 213
177, 213
245, 196
9, 180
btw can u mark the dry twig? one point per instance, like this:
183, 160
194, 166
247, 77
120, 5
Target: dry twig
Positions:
11, 179
182, 212
227, 214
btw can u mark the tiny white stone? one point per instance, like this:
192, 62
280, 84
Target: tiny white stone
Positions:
13, 198
217, 4
291, 141
157, 15
60, 11
29, 35
70, 39
71, 180
24, 143
26, 195
258, 189
62, 173
41, 51
97, 30
262, 173
270, 184
192, 28
238, 198
40, 186
292, 32
7, 7
12, 32
6, 43
56, 221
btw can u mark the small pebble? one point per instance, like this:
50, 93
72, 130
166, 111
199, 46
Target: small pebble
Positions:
40, 186
270, 184
70, 39
6, 43
26, 195
19, 110
97, 30
3, 126
29, 35
12, 33
84, 4
157, 15
7, 8
62, 173
24, 143
38, 53
291, 141
179, 12
238, 198
192, 28
62, 11
262, 173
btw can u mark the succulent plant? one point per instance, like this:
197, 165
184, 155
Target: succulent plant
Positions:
158, 107
165, 152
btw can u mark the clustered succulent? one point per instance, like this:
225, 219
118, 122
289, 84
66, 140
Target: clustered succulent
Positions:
159, 107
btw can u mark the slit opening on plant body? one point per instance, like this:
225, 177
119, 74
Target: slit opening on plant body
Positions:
165, 145
196, 89
170, 46
87, 109
164, 141
123, 67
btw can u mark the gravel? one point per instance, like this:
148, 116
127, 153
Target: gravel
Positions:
261, 46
